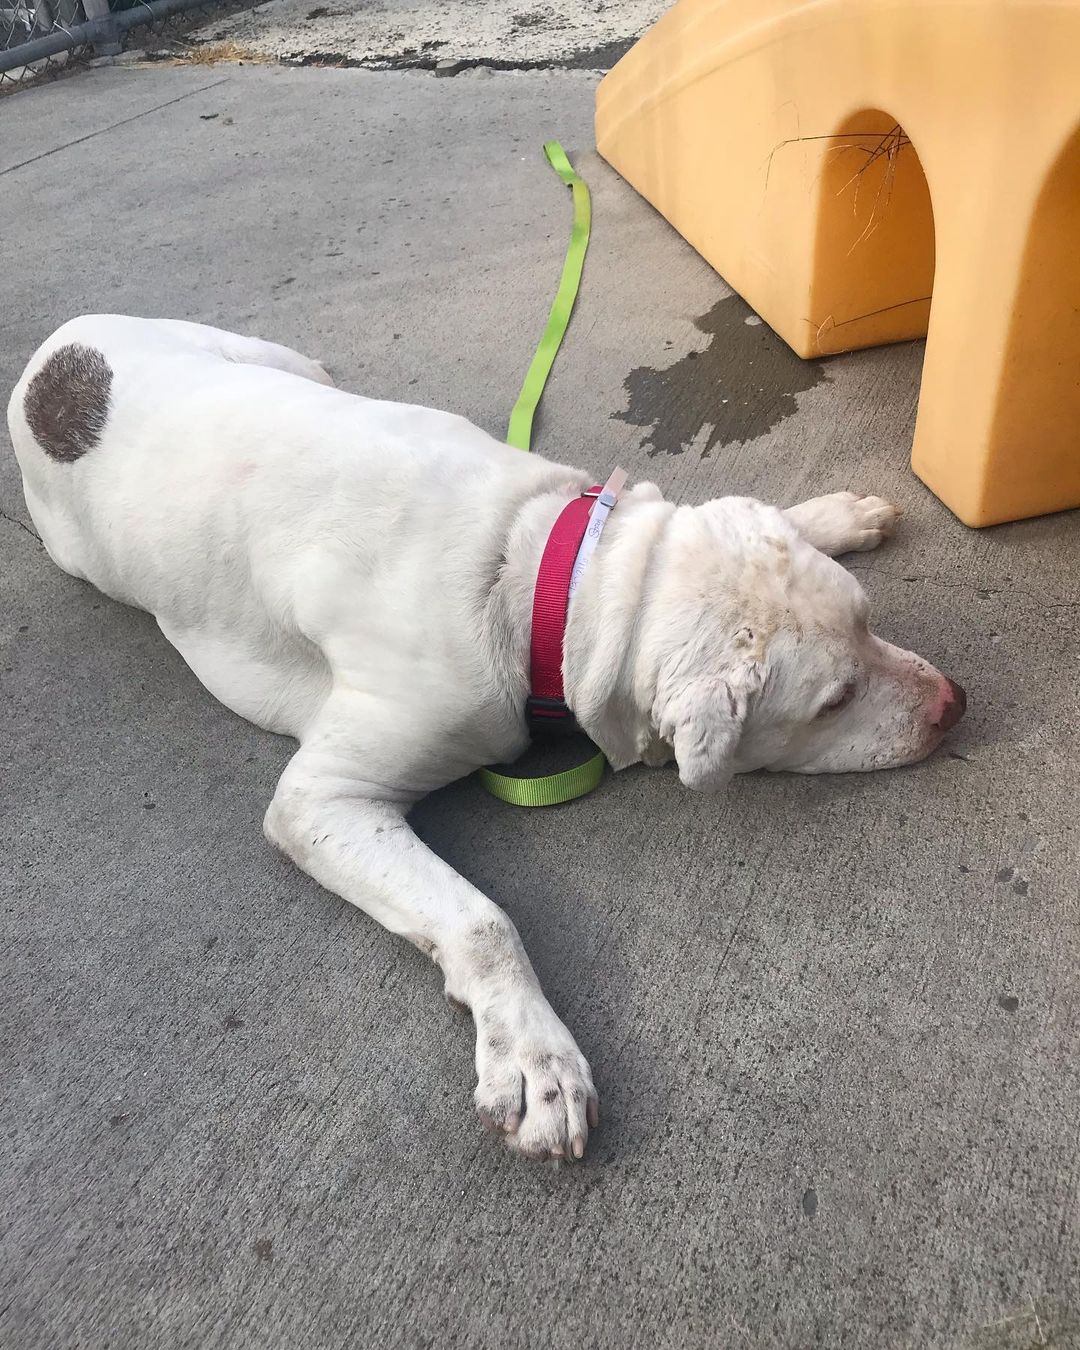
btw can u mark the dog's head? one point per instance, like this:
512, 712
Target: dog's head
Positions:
755, 652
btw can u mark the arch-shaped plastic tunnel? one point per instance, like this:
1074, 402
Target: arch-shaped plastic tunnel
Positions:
866, 171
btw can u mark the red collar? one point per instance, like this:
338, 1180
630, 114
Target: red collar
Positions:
568, 549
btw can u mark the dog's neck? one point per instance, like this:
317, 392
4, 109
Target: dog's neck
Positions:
606, 688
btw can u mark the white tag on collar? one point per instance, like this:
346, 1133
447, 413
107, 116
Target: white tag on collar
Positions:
598, 517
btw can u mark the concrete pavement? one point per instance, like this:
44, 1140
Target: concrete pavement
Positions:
834, 1022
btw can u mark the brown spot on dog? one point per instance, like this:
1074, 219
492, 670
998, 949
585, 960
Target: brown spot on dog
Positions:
67, 402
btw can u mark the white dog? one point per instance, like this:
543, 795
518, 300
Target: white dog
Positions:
359, 575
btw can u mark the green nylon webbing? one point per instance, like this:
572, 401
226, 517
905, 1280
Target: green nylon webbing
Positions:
555, 788
519, 433
550, 789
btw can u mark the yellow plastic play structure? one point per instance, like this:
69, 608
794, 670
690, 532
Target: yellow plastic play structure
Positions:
840, 161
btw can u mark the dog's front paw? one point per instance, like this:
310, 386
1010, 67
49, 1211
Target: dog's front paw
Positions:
869, 520
844, 522
535, 1085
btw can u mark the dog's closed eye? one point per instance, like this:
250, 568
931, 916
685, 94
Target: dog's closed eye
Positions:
838, 701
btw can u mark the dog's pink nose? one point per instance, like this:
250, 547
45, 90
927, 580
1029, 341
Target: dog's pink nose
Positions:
952, 708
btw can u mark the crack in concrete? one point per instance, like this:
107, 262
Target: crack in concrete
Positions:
982, 591
14, 520
78, 140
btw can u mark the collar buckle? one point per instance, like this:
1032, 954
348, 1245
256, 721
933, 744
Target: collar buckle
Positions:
549, 716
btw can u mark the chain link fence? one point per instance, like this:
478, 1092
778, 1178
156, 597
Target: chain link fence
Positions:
43, 38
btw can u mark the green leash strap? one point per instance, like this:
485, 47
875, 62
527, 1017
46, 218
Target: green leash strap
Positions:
519, 433
555, 788
550, 789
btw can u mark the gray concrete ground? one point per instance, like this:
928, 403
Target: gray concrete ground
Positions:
834, 1022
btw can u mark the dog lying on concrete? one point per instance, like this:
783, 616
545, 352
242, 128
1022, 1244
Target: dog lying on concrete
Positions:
360, 575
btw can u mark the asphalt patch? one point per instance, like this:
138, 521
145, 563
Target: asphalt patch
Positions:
426, 57
744, 382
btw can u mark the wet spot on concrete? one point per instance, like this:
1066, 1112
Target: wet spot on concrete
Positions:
232, 1022
1020, 886
67, 402
264, 1250
740, 386
809, 1203
1009, 1002
1005, 874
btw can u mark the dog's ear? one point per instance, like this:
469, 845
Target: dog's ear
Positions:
707, 721
704, 722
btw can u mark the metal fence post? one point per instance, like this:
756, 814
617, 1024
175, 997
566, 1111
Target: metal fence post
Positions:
103, 26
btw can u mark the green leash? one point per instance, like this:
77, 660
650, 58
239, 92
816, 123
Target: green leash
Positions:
550, 789
519, 433
554, 788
